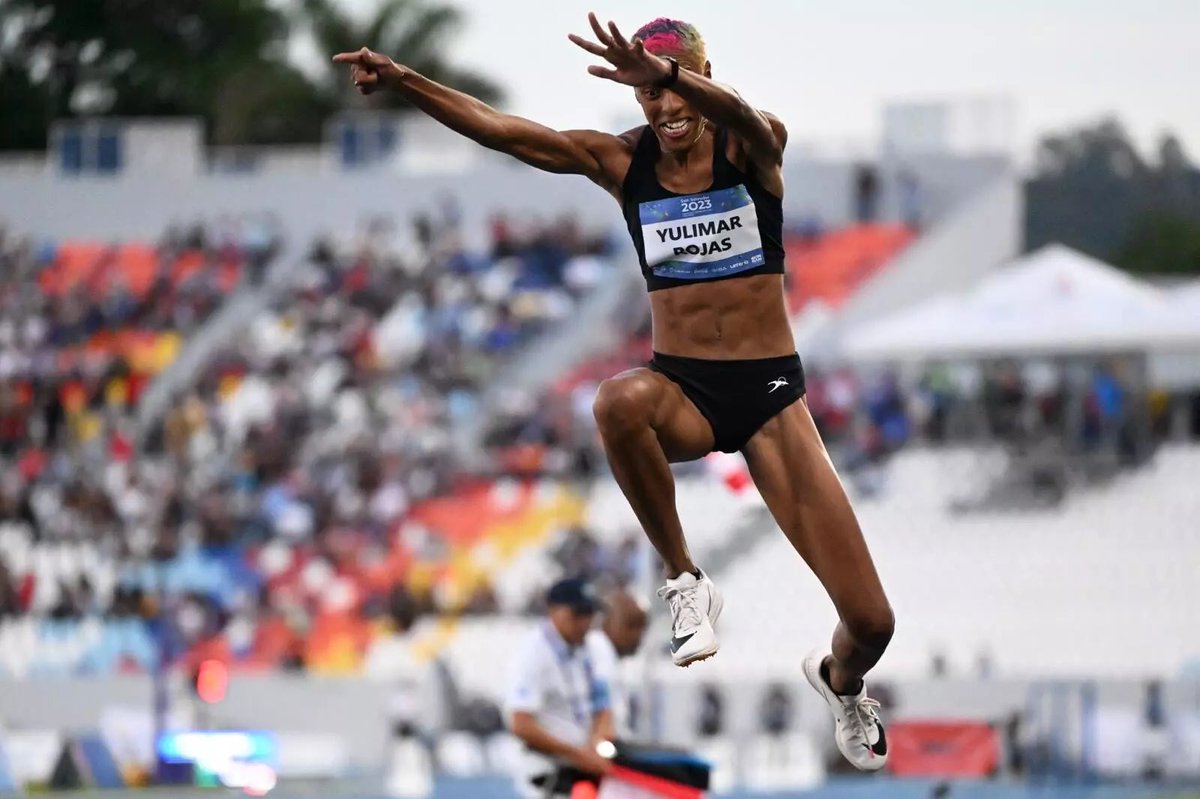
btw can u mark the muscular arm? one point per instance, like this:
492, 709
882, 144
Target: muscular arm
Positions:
595, 155
763, 135
569, 152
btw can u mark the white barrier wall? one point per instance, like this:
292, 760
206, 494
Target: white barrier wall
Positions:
356, 711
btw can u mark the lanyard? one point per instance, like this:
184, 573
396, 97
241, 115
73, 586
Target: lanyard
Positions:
581, 710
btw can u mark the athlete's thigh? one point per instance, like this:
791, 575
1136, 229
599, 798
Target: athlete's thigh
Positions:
683, 432
792, 470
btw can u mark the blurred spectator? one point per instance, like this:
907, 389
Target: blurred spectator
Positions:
908, 186
711, 720
866, 193
776, 713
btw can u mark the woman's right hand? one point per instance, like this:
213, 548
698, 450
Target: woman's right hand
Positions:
370, 70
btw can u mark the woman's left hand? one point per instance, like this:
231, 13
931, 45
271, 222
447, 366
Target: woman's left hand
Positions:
632, 65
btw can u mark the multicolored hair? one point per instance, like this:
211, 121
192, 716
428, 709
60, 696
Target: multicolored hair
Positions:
675, 38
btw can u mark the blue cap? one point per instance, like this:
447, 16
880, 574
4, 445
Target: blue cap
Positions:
576, 593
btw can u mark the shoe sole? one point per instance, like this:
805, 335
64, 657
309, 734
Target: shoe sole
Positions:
703, 654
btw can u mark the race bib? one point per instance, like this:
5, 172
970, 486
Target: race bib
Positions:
701, 236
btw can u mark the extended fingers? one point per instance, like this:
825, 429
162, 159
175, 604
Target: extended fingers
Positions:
616, 35
590, 46
598, 29
361, 56
603, 72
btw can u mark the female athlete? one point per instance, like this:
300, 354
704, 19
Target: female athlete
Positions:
701, 187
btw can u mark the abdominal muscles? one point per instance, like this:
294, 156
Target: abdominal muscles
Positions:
735, 319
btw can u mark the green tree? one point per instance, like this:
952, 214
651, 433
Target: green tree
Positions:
62, 58
412, 32
1162, 243
1094, 191
1085, 184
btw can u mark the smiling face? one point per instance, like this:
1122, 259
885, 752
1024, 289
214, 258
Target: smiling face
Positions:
677, 125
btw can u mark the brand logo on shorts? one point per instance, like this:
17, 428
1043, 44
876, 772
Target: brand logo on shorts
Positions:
776, 383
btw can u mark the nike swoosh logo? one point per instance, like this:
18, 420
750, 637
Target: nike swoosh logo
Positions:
679, 641
878, 748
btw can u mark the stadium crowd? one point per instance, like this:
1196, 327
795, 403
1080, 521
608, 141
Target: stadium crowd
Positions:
299, 447
272, 516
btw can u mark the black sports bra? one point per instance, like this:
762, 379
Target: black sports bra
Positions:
732, 229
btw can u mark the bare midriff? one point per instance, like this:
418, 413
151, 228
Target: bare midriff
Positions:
725, 320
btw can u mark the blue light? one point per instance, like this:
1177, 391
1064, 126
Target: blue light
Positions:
220, 746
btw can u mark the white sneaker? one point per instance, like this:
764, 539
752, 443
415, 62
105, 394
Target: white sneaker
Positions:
695, 607
859, 730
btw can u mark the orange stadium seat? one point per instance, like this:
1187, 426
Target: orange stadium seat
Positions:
74, 263
187, 264
833, 266
337, 642
137, 265
464, 517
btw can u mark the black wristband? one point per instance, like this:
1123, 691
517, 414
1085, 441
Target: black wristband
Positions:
669, 80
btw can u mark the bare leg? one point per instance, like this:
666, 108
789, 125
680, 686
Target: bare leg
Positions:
646, 423
793, 473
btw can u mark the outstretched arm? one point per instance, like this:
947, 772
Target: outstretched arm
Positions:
634, 66
576, 152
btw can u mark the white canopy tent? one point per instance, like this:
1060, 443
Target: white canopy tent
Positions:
1055, 301
1187, 299
1179, 370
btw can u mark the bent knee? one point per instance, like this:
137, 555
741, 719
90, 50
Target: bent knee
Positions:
872, 627
625, 402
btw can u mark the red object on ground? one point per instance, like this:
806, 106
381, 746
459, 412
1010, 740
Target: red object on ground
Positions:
655, 786
942, 749
583, 790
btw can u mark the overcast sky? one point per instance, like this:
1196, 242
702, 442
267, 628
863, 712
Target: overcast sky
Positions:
827, 67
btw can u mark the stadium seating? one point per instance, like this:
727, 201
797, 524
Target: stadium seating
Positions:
830, 267
324, 430
372, 350
1106, 586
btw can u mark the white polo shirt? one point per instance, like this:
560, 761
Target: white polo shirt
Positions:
561, 687
608, 668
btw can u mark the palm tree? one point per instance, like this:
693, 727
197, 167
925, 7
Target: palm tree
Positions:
411, 31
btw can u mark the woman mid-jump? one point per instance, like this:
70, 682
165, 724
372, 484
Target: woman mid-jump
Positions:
701, 187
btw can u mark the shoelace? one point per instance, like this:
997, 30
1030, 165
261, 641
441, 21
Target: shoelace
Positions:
868, 708
684, 607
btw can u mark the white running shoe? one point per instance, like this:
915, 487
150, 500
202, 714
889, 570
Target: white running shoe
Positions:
859, 730
695, 607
